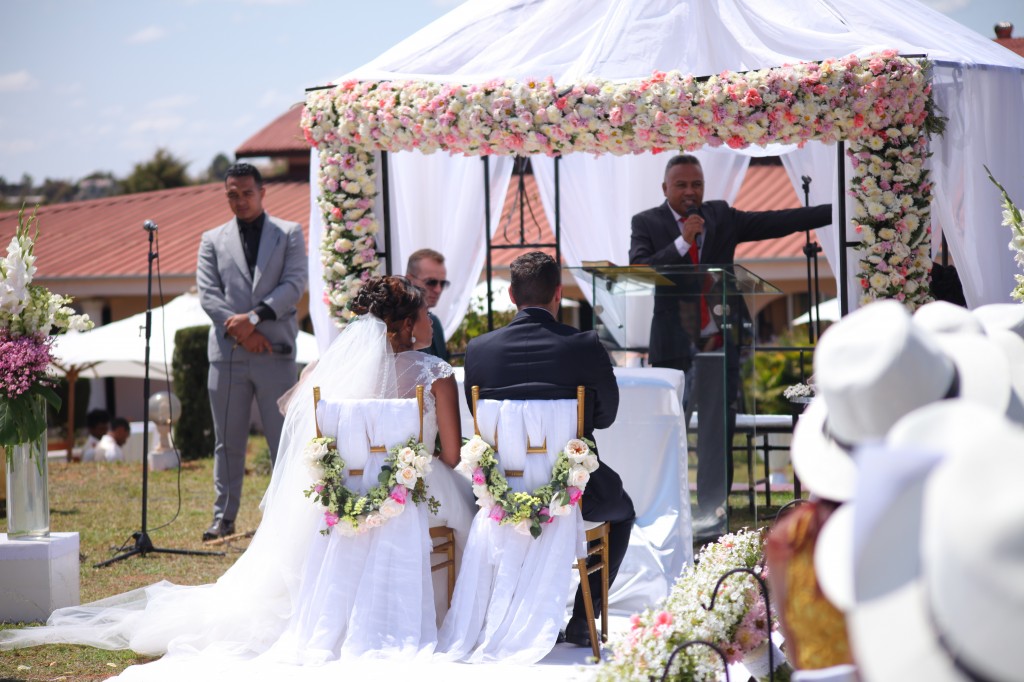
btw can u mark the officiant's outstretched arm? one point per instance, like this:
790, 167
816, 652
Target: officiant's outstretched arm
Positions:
535, 351
687, 230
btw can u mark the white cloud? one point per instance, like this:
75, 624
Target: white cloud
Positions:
20, 146
17, 81
163, 124
275, 99
946, 5
149, 34
172, 102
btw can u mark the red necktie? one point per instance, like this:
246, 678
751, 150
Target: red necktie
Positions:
705, 317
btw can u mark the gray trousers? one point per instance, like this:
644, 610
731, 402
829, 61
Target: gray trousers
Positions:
232, 386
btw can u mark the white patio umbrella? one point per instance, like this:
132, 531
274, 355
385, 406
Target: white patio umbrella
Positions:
827, 310
118, 349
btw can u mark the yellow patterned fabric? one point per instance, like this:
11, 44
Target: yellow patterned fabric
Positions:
815, 630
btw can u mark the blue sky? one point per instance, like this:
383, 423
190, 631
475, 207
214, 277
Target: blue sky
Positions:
91, 85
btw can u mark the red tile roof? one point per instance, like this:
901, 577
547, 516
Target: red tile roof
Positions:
1012, 44
104, 237
283, 137
108, 242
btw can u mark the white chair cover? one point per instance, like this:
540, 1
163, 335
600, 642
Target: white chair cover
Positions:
369, 594
510, 598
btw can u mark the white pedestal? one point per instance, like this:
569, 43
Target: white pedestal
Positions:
37, 576
163, 459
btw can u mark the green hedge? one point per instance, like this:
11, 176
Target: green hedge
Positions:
193, 434
772, 372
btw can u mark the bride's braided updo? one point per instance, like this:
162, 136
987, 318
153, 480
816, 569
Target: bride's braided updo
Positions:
390, 298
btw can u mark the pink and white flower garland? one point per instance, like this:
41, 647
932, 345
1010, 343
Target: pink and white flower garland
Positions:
527, 512
880, 104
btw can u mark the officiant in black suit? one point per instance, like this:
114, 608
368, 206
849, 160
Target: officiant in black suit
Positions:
688, 330
536, 357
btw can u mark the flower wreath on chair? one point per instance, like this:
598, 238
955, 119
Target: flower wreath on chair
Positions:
528, 512
400, 479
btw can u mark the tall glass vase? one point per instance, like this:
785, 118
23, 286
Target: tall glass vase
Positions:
28, 502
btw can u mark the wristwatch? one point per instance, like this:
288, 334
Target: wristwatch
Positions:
254, 319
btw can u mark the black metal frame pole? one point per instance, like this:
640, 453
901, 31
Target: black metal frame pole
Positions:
143, 545
386, 211
811, 251
558, 220
844, 305
487, 235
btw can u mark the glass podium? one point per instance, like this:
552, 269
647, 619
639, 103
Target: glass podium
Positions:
695, 319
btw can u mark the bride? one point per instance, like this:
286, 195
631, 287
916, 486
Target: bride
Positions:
293, 596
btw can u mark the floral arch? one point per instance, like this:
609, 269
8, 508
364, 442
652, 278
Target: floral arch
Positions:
880, 105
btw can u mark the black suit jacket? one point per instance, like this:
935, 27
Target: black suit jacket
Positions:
535, 353
652, 242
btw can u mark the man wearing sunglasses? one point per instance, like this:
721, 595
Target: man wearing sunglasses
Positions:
426, 270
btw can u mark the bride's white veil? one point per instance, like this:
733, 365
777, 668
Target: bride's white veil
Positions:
248, 607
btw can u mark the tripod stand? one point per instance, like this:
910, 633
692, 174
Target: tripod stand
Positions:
143, 545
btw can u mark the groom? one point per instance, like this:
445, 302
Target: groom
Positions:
535, 356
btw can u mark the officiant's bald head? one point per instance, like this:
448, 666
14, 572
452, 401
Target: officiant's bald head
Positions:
536, 281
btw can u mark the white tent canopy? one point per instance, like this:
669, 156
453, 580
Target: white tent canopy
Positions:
118, 349
437, 200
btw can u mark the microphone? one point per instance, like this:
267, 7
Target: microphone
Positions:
149, 226
693, 210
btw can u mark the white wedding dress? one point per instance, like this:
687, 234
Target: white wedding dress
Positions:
295, 597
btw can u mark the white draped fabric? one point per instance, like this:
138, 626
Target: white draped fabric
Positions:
438, 203
979, 87
510, 598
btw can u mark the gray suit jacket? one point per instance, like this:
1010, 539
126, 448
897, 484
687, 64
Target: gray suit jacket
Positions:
226, 288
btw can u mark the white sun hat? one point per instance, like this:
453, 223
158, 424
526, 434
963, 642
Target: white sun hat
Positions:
1007, 316
876, 365
955, 544
943, 317
870, 368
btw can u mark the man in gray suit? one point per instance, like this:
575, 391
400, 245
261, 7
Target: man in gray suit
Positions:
251, 273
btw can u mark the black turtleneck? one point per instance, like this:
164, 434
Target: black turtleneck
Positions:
250, 233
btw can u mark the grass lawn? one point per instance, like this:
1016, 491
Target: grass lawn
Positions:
102, 502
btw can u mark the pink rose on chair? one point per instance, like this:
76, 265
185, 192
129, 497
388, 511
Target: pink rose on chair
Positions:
330, 518
478, 477
497, 513
399, 494
574, 494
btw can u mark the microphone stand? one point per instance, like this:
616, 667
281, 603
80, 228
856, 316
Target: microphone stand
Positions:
811, 251
143, 545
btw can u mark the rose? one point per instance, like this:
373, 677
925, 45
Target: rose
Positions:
574, 494
422, 463
496, 513
330, 518
578, 476
523, 527
478, 477
576, 450
474, 449
406, 455
406, 476
399, 494
591, 463
390, 508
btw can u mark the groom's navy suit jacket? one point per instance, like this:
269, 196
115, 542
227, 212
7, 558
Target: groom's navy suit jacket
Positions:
537, 357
